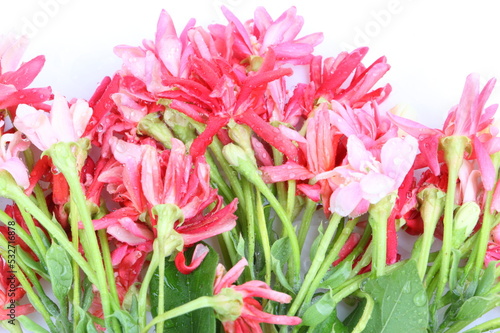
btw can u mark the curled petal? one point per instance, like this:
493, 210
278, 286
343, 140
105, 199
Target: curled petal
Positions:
200, 252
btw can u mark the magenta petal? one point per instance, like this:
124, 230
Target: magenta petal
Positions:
22, 77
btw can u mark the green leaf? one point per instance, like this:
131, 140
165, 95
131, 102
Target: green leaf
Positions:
60, 271
30, 325
337, 275
88, 294
400, 301
319, 311
28, 260
128, 323
91, 327
181, 288
476, 306
487, 280
331, 324
280, 252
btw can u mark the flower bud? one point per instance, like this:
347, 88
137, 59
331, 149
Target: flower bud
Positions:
227, 304
153, 126
466, 218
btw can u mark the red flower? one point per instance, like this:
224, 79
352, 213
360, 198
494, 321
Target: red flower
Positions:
250, 312
14, 78
11, 293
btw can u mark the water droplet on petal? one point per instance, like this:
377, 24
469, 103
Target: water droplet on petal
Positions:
55, 170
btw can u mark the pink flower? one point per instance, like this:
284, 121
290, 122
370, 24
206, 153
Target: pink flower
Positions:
469, 118
144, 177
14, 78
347, 80
366, 179
10, 146
221, 93
251, 314
63, 124
257, 36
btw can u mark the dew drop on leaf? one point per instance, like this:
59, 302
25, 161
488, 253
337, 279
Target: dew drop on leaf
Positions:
420, 299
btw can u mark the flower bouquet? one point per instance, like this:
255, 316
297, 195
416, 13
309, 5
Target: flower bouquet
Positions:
183, 195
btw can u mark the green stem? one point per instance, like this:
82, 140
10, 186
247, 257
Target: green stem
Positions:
40, 248
166, 242
264, 236
249, 200
218, 180
10, 190
25, 237
454, 148
161, 293
484, 236
216, 148
198, 303
290, 200
364, 261
431, 210
32, 296
367, 312
330, 258
280, 186
75, 238
143, 291
486, 326
108, 265
316, 264
64, 159
379, 215
307, 217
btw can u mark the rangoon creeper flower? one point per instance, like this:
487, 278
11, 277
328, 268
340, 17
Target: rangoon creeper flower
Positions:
365, 179
469, 118
244, 313
147, 177
63, 124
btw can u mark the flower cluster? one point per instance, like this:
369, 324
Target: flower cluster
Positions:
199, 142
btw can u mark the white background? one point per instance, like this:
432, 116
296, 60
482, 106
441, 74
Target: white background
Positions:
431, 45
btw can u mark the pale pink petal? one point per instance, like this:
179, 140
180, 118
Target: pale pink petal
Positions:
127, 231
150, 176
397, 157
81, 114
345, 199
36, 126
18, 171
168, 45
11, 52
130, 110
357, 154
376, 186
60, 119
